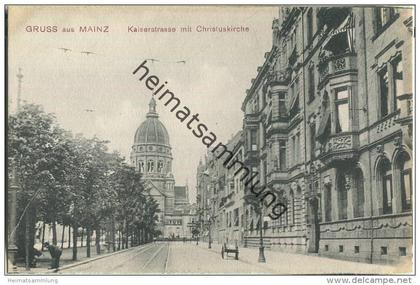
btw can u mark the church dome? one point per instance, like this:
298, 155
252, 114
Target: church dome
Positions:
152, 131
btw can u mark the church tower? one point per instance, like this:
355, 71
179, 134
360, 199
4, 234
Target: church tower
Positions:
151, 155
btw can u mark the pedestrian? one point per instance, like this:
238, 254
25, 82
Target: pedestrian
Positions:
55, 252
36, 254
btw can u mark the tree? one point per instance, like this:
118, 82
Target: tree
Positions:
73, 181
32, 135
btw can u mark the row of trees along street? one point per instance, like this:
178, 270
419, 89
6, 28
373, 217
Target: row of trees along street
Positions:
73, 181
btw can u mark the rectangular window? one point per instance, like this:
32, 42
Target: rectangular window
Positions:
282, 155
403, 251
309, 20
282, 105
326, 248
286, 215
342, 111
356, 249
236, 217
312, 130
264, 175
297, 148
384, 250
292, 154
341, 248
360, 197
384, 90
311, 95
327, 203
387, 192
398, 81
383, 17
342, 197
406, 189
253, 134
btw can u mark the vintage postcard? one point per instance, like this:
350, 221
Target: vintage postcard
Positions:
209, 139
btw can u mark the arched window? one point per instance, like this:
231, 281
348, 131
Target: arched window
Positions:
403, 166
160, 166
281, 220
358, 194
327, 202
384, 179
298, 205
150, 166
141, 166
292, 207
342, 197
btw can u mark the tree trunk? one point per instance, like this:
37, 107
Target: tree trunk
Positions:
119, 240
54, 230
123, 233
62, 236
81, 240
88, 234
27, 241
43, 236
98, 240
127, 236
74, 242
69, 242
113, 234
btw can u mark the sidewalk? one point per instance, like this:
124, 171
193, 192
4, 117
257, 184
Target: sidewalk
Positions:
293, 263
44, 261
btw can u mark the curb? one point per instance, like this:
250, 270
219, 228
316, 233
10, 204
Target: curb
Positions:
92, 259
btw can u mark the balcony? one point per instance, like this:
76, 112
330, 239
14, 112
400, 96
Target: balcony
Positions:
276, 175
335, 65
340, 147
251, 157
332, 16
405, 104
252, 119
279, 77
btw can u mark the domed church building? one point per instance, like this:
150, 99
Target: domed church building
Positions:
151, 155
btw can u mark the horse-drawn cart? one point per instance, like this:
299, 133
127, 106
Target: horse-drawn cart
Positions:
230, 249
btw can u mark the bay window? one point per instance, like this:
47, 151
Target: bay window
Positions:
342, 111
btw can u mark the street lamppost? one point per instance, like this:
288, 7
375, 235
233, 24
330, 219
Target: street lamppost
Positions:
258, 208
11, 242
12, 192
261, 256
210, 222
209, 208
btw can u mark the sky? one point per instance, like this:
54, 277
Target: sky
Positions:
218, 69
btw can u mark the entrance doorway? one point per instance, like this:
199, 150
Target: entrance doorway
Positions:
313, 225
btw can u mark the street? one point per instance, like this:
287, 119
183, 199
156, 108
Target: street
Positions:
189, 258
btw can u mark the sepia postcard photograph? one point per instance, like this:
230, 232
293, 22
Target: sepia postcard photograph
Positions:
210, 140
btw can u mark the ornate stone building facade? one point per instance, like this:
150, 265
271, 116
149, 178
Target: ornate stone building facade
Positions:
152, 156
328, 127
